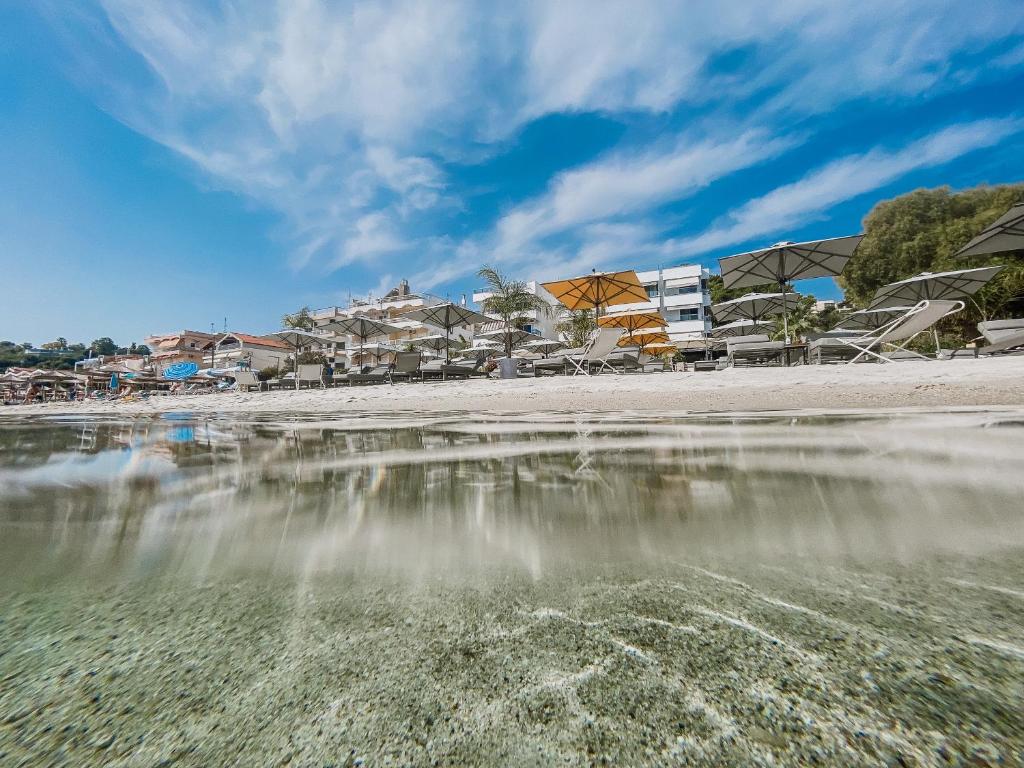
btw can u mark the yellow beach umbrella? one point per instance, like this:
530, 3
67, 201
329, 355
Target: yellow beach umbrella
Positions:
598, 289
634, 321
661, 348
643, 339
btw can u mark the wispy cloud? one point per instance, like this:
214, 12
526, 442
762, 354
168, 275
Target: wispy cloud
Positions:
843, 179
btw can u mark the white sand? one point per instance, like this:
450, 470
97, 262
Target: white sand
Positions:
966, 382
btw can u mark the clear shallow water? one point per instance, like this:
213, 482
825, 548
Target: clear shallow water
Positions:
755, 587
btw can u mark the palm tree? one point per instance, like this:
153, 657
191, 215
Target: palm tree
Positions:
510, 300
578, 327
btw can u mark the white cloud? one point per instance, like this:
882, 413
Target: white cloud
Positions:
842, 179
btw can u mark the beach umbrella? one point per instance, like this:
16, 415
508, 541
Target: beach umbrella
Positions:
700, 341
741, 328
544, 346
643, 338
1004, 234
869, 319
631, 322
481, 343
297, 339
933, 286
662, 348
751, 306
374, 348
434, 343
598, 289
447, 316
360, 327
179, 371
510, 336
786, 261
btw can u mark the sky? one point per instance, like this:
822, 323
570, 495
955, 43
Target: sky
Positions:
171, 165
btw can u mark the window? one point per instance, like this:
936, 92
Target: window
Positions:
689, 313
652, 291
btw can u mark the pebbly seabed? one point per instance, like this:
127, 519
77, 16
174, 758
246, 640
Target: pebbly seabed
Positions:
559, 589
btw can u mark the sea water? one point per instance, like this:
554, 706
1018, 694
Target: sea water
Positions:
513, 589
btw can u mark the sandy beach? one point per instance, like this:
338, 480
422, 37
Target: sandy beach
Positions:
967, 382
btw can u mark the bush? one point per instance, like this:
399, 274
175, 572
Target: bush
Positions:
270, 372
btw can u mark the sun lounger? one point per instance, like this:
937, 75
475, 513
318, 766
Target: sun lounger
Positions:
311, 374
246, 380
756, 349
559, 363
407, 367
378, 375
899, 332
1003, 336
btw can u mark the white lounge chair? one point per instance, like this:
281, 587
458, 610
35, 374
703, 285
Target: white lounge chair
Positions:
310, 374
246, 380
603, 346
1003, 336
755, 349
899, 332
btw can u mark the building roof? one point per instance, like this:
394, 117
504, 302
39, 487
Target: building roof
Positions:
257, 341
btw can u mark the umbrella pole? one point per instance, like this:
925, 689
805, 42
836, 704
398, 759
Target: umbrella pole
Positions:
295, 365
785, 319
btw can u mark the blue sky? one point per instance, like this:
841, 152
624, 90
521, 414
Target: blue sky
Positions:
169, 165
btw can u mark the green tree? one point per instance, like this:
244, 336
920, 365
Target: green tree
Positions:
510, 300
142, 349
301, 320
578, 327
103, 346
921, 232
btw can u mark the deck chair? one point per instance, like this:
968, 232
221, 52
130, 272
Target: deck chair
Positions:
1003, 336
755, 349
605, 343
407, 367
246, 380
378, 375
899, 332
559, 363
310, 374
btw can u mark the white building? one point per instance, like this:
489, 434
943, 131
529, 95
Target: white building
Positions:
682, 296
542, 323
389, 309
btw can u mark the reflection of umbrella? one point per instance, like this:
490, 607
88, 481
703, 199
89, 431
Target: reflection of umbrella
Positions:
741, 328
510, 337
933, 286
634, 321
544, 346
598, 289
752, 306
869, 319
643, 338
787, 261
1004, 234
297, 339
447, 316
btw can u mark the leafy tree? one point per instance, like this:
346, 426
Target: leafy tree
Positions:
312, 358
103, 346
142, 349
510, 300
578, 327
921, 232
301, 320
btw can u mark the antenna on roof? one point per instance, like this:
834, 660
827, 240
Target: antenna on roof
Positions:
225, 325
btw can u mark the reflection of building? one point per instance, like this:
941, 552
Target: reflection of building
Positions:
257, 352
182, 347
542, 323
389, 309
681, 295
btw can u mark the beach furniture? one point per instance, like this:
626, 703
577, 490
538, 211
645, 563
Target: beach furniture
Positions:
378, 375
899, 332
407, 367
246, 380
1003, 336
824, 348
605, 344
310, 374
755, 349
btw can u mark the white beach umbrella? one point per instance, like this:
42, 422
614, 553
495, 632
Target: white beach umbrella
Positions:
544, 346
784, 262
297, 339
869, 319
751, 306
516, 335
933, 286
360, 327
741, 328
1004, 234
447, 316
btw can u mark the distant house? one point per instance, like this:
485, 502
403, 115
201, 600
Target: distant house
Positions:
182, 347
257, 352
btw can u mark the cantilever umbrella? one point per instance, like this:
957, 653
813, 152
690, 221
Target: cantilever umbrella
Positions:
741, 328
751, 306
933, 286
297, 339
1004, 234
632, 322
786, 261
598, 289
869, 319
447, 316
